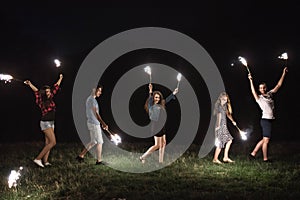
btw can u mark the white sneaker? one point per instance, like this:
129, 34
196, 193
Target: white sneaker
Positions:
47, 164
38, 162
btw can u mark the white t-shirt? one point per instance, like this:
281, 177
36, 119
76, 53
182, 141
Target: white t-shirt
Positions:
266, 104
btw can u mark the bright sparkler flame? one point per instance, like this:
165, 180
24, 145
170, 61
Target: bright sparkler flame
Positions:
243, 135
179, 77
116, 139
148, 70
13, 177
283, 56
243, 61
6, 77
57, 63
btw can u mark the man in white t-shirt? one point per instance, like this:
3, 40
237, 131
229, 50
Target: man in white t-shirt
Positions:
93, 123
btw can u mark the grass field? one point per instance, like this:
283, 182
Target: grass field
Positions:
187, 178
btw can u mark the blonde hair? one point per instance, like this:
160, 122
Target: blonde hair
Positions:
218, 103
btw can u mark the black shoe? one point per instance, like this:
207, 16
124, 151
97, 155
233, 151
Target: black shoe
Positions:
268, 161
101, 163
251, 157
79, 159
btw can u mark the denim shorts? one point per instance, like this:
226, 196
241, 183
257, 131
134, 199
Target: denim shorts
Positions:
95, 133
46, 124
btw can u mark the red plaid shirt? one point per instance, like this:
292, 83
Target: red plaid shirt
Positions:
46, 107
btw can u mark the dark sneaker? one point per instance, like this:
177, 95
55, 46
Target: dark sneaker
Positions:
79, 159
268, 161
251, 157
101, 163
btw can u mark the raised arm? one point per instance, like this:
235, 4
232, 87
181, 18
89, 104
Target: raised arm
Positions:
279, 84
27, 82
172, 96
252, 87
59, 80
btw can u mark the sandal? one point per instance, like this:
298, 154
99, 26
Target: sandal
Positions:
217, 162
228, 161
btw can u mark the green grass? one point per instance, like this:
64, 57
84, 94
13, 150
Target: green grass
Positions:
187, 178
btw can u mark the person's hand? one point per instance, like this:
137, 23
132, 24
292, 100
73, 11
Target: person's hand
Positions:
234, 123
285, 70
27, 82
175, 91
61, 76
150, 88
217, 128
249, 76
105, 127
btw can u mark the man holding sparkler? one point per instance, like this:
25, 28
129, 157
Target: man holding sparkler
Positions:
93, 123
266, 103
223, 137
44, 99
155, 107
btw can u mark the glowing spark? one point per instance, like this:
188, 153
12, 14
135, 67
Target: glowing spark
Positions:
243, 60
148, 70
57, 63
243, 135
179, 77
116, 139
283, 56
13, 177
6, 77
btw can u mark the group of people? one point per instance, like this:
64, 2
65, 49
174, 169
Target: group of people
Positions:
155, 107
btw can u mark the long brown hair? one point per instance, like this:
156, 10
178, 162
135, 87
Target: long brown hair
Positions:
162, 101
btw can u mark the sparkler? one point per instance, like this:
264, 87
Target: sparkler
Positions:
114, 137
147, 69
7, 78
57, 63
284, 56
178, 79
13, 177
242, 133
244, 62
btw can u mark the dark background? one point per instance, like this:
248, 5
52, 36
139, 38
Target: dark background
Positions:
34, 33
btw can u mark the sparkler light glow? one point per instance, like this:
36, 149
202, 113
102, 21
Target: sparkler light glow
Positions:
178, 79
57, 63
244, 62
283, 56
115, 138
7, 78
147, 69
13, 177
242, 133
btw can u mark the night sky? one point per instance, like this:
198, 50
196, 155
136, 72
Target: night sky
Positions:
33, 34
